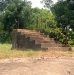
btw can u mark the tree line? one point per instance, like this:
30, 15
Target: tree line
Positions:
57, 22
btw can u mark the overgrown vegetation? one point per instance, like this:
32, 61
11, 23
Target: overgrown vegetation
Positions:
57, 23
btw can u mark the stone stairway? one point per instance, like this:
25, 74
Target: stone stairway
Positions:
31, 39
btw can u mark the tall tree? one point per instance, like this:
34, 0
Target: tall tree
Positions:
13, 14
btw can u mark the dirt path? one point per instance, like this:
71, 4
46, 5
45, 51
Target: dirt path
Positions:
37, 66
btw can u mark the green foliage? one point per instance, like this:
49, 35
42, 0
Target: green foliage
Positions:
64, 15
55, 33
42, 18
9, 18
5, 37
31, 27
15, 9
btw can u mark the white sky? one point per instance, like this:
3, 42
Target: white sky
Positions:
36, 3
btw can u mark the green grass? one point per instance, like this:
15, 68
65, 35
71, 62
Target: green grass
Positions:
6, 52
73, 48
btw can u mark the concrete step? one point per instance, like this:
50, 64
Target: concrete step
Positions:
37, 41
59, 48
29, 35
35, 38
52, 44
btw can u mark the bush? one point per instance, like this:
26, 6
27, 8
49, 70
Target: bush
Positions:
5, 37
31, 27
71, 42
54, 33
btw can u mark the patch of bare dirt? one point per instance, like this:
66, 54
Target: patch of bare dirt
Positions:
37, 66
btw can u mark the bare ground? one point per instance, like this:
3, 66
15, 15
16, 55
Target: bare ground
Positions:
37, 66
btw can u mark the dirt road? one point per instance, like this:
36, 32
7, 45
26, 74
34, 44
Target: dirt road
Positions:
37, 66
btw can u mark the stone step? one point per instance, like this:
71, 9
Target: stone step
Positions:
59, 48
39, 36
35, 38
52, 44
28, 32
29, 35
37, 41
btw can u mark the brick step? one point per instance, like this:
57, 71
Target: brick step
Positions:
59, 48
39, 36
46, 45
35, 38
25, 30
37, 41
30, 32
29, 35
40, 41
36, 35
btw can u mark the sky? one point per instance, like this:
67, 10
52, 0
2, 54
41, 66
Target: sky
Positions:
36, 3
